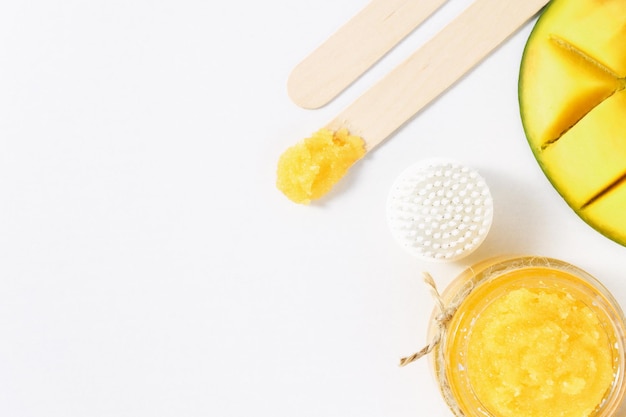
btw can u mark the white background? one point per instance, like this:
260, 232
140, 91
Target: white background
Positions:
148, 265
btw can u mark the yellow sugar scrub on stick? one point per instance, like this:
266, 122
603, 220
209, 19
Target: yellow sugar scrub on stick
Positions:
398, 96
309, 169
528, 337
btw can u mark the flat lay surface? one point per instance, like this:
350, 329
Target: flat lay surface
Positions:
149, 266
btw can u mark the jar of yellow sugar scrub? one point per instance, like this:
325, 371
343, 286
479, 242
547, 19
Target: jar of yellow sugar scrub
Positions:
529, 337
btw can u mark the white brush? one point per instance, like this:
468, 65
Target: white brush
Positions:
439, 210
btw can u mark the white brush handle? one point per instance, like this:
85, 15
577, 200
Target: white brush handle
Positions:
354, 48
434, 67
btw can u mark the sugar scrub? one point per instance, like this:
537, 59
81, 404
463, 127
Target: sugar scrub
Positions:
309, 169
539, 352
530, 337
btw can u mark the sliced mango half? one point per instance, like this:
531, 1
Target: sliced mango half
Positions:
572, 93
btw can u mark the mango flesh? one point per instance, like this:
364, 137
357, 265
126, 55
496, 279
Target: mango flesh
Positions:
572, 95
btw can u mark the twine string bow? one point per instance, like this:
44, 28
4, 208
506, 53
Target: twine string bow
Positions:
441, 321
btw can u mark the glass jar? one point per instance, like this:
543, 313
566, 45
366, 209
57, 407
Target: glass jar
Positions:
530, 336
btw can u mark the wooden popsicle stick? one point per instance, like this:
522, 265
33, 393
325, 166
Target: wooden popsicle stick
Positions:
433, 68
354, 48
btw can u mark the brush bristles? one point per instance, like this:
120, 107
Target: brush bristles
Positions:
440, 210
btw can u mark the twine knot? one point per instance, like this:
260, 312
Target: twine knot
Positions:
441, 321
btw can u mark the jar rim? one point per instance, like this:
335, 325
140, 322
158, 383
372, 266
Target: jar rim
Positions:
486, 272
